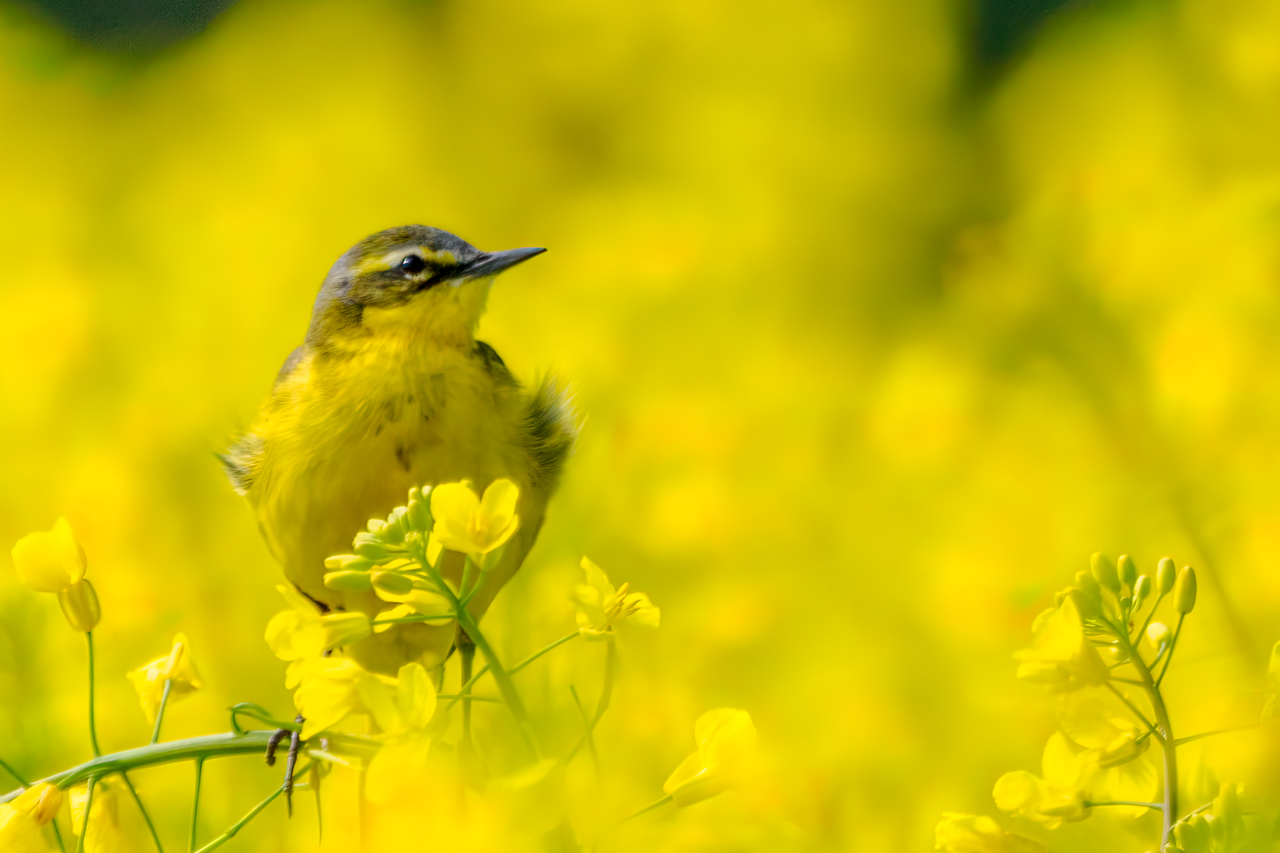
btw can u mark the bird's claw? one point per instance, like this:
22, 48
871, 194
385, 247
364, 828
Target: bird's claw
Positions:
295, 740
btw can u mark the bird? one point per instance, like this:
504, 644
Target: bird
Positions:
391, 390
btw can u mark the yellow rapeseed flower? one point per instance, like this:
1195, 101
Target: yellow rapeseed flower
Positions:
726, 743
402, 710
328, 692
103, 833
22, 818
50, 560
176, 667
1060, 656
966, 833
600, 606
302, 632
470, 524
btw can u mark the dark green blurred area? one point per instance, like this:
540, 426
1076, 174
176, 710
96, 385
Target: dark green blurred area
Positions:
1000, 27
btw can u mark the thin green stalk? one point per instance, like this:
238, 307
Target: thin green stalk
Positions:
207, 746
586, 726
88, 808
470, 582
606, 696
195, 805
662, 802
57, 834
513, 670
460, 697
155, 836
1189, 738
467, 654
1090, 804
240, 824
93, 728
1154, 608
505, 685
1167, 742
410, 619
1173, 644
1151, 729
8, 768
164, 703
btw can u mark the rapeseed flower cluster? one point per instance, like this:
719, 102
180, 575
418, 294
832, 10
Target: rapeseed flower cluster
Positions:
1102, 657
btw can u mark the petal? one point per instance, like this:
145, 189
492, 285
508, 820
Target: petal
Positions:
498, 506
416, 696
379, 700
597, 579
644, 613
49, 561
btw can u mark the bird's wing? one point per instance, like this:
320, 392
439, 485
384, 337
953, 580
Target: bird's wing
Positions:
240, 462
550, 428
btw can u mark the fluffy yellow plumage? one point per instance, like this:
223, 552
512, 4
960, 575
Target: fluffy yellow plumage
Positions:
391, 390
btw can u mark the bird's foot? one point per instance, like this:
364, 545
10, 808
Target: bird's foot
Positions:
295, 740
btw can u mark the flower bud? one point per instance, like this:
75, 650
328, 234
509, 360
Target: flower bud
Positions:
376, 526
1184, 593
1141, 590
347, 562
1104, 571
1165, 576
347, 581
1125, 603
79, 604
344, 628
1086, 584
1226, 806
419, 515
1122, 750
1192, 833
1059, 597
48, 804
392, 583
1127, 570
1157, 635
368, 546
1087, 607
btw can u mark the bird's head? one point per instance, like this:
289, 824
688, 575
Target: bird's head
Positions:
410, 280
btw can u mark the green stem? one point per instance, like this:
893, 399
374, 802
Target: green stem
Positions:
88, 808
410, 619
93, 728
513, 670
57, 834
460, 697
1173, 644
586, 727
470, 583
186, 749
1167, 741
195, 805
467, 654
662, 802
1151, 729
503, 679
8, 768
606, 696
1189, 738
239, 825
1147, 621
1088, 804
155, 836
164, 702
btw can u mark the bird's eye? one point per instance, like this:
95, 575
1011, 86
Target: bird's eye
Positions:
412, 264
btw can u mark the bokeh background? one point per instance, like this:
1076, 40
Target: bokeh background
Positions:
883, 316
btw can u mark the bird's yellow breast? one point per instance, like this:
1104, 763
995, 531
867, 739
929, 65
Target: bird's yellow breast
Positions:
346, 434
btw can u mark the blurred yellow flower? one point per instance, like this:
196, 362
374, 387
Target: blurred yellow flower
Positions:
50, 561
401, 709
966, 833
726, 744
1060, 656
176, 667
1103, 751
79, 603
600, 606
302, 632
470, 524
1026, 795
103, 832
22, 818
328, 692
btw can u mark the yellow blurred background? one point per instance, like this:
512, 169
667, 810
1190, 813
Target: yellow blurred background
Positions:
873, 349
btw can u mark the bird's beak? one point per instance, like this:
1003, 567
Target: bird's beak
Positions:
492, 263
